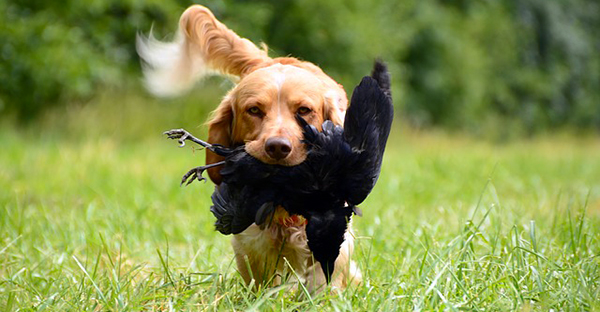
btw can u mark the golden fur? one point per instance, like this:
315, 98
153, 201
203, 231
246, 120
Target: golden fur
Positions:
270, 92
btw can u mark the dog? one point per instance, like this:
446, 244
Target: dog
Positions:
341, 168
259, 112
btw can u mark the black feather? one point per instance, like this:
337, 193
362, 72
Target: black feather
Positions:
366, 129
381, 74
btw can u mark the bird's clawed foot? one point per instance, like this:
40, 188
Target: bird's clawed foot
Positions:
196, 173
182, 135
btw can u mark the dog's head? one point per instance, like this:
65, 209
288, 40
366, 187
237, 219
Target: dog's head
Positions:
259, 111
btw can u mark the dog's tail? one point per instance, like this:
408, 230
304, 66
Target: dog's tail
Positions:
202, 45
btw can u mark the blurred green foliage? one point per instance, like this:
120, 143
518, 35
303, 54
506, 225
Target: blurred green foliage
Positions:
509, 66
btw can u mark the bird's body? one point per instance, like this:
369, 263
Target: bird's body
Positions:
341, 169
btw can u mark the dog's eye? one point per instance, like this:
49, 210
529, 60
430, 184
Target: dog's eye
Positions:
304, 111
255, 111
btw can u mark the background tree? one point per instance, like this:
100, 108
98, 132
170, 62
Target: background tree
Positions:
521, 65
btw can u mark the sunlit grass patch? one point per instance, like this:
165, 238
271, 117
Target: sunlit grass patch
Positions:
95, 219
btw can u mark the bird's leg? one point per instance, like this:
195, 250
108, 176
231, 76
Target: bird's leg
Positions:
196, 173
181, 135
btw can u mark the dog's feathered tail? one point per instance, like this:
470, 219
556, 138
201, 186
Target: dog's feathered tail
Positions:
203, 45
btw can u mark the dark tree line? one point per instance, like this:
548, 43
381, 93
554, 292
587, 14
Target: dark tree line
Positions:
523, 65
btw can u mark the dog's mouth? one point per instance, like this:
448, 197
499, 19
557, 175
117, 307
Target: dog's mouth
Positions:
275, 152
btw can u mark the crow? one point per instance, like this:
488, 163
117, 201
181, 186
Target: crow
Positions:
341, 169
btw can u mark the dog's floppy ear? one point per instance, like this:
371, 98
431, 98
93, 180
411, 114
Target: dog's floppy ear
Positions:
219, 132
335, 107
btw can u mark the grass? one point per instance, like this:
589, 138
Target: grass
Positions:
92, 218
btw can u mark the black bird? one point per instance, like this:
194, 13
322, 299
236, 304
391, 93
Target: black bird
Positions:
341, 169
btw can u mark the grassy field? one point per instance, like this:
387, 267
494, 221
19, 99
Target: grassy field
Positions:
92, 218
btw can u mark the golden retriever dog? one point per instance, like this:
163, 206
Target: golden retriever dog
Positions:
258, 112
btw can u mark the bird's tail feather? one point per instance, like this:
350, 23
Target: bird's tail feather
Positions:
381, 74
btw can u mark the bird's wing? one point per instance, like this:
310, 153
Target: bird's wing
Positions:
385, 109
366, 129
237, 207
222, 209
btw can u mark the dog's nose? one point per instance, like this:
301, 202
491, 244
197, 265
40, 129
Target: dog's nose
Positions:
278, 147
